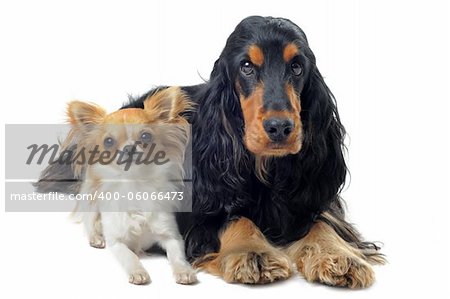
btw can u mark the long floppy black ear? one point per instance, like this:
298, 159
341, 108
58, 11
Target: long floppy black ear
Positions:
219, 133
322, 160
217, 138
322, 157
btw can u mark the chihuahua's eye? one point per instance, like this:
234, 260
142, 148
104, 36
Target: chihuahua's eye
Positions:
108, 142
296, 69
247, 68
146, 137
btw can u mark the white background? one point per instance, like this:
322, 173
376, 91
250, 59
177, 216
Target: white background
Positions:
387, 63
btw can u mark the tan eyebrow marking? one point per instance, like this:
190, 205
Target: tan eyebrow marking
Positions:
289, 52
256, 55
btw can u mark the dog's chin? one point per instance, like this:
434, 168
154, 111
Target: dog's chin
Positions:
272, 149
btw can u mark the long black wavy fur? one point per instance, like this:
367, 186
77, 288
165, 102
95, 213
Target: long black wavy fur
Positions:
298, 190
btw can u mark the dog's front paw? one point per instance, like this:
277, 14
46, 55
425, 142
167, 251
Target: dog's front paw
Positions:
97, 241
185, 276
339, 270
256, 267
139, 277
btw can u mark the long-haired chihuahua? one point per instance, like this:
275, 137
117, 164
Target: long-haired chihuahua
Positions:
132, 163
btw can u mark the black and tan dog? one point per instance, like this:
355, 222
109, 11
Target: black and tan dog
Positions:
268, 166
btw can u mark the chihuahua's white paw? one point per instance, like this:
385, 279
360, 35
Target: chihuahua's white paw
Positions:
139, 277
185, 276
97, 241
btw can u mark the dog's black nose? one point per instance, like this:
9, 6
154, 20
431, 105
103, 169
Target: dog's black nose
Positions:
278, 129
129, 149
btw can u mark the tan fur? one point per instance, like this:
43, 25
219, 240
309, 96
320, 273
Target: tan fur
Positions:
136, 229
246, 256
323, 256
256, 139
90, 124
261, 165
372, 255
163, 107
84, 113
256, 55
159, 108
289, 52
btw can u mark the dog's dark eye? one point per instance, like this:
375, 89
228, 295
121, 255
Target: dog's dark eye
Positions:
146, 137
296, 69
109, 142
247, 68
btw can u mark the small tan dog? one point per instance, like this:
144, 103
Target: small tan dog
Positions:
124, 138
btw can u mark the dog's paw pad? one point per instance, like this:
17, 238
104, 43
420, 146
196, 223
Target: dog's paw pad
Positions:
139, 277
256, 267
274, 267
187, 276
341, 271
97, 241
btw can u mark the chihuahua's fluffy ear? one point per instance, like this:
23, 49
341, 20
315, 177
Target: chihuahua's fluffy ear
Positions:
81, 113
167, 104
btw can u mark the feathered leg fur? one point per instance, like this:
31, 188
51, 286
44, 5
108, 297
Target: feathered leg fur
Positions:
324, 256
246, 256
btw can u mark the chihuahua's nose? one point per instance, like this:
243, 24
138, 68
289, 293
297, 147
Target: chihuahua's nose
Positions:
129, 149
